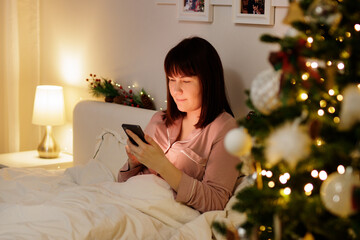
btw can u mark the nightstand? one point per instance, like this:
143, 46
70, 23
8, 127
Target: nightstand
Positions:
30, 159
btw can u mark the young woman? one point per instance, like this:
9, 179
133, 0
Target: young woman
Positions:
186, 142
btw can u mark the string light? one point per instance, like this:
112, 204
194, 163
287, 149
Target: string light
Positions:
305, 76
303, 96
271, 184
287, 175
340, 97
323, 103
269, 174
319, 142
345, 54
321, 112
314, 65
314, 173
329, 63
310, 40
284, 178
336, 120
287, 191
331, 110
357, 27
341, 66
331, 92
348, 34
322, 175
341, 169
308, 189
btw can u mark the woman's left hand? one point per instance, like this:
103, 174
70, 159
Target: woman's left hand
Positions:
150, 155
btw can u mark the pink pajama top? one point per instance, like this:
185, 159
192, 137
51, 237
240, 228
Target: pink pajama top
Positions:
209, 171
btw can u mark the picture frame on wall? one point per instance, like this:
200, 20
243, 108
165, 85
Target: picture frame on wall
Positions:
253, 12
195, 10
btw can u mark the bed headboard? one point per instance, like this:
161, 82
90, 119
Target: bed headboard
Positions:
92, 117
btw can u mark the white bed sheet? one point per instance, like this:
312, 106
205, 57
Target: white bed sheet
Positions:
84, 202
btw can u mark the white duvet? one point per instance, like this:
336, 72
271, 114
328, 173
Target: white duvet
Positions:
84, 202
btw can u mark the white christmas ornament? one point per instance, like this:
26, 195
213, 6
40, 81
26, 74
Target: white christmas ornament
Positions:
289, 142
336, 192
264, 91
238, 142
350, 107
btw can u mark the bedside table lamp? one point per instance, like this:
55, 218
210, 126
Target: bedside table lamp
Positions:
48, 111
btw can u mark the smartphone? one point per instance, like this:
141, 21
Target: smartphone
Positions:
135, 129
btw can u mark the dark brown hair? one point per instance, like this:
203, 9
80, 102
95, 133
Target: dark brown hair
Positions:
197, 57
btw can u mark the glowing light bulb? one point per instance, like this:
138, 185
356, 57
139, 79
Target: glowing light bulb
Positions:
341, 66
321, 112
269, 174
314, 173
319, 142
303, 96
305, 76
357, 27
336, 120
287, 176
314, 64
340, 97
263, 172
331, 109
329, 63
322, 175
341, 169
311, 40
287, 191
331, 92
323, 103
308, 187
282, 179
271, 184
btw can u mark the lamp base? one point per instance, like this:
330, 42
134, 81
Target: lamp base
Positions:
48, 147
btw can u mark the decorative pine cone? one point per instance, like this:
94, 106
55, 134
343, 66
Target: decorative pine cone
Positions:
109, 99
147, 102
119, 99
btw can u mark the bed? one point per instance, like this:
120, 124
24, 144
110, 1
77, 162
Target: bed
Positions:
86, 202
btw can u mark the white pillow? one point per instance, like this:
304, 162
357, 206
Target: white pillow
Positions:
110, 150
91, 173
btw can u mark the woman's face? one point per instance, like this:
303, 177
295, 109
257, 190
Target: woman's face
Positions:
186, 92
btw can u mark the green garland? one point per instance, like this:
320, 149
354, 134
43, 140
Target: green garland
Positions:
114, 92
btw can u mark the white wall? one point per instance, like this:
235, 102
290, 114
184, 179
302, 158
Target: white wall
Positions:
127, 40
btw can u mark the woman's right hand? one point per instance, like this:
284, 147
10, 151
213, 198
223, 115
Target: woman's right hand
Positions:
133, 162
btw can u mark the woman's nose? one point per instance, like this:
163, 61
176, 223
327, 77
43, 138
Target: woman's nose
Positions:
177, 87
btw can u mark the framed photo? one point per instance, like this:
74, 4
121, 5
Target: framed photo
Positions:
253, 12
195, 10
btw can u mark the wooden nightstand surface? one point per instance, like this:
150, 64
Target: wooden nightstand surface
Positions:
30, 159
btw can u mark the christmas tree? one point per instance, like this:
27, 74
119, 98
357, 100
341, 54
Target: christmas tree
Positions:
302, 134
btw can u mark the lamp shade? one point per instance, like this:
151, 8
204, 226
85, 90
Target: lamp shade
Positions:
48, 106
